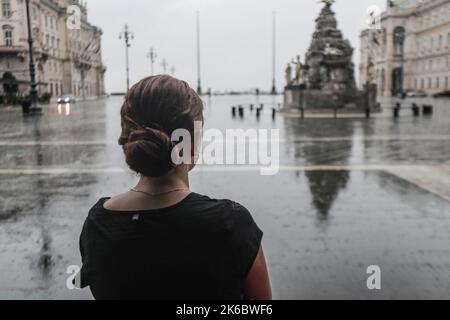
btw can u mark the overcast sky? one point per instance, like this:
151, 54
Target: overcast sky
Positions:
236, 37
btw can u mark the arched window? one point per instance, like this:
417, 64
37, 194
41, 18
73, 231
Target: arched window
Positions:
8, 35
399, 41
6, 8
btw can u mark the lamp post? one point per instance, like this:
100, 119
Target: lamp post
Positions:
35, 109
274, 52
152, 56
164, 65
127, 35
199, 81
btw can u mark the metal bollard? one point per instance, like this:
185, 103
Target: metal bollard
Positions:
415, 110
302, 113
241, 111
427, 110
367, 113
396, 112
335, 113
252, 107
233, 111
274, 113
262, 106
258, 113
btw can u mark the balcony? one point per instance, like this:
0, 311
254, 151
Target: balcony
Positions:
12, 49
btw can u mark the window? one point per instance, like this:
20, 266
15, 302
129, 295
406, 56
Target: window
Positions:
6, 8
440, 42
438, 83
8, 36
399, 41
446, 82
429, 83
422, 84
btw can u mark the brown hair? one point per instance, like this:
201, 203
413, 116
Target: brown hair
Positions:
154, 108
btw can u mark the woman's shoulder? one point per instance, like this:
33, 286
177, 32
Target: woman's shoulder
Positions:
98, 206
228, 210
226, 205
199, 205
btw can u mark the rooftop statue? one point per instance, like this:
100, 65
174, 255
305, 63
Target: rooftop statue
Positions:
328, 3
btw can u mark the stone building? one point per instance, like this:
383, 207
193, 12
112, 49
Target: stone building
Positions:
408, 48
67, 47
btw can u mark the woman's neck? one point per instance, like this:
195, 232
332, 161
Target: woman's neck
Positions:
176, 179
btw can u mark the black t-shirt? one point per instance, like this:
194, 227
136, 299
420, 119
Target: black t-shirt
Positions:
199, 248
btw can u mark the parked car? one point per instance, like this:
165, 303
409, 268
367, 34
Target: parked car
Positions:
67, 98
442, 94
416, 94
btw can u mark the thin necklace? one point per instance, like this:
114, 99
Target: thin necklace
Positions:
158, 193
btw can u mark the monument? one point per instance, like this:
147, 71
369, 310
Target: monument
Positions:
326, 81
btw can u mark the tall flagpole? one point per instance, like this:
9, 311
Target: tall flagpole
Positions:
274, 52
199, 82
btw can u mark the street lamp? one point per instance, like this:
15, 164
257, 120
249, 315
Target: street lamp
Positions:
164, 65
274, 52
152, 56
35, 109
199, 81
127, 35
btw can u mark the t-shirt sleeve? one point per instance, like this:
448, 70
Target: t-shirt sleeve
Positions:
247, 240
84, 256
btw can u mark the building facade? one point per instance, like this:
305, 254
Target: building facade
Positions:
408, 49
67, 47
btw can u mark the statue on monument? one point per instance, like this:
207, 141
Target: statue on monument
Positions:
328, 3
288, 74
299, 70
370, 72
332, 51
325, 80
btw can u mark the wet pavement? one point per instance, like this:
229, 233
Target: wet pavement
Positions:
350, 193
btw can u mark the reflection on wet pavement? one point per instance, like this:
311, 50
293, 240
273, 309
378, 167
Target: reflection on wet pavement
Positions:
350, 193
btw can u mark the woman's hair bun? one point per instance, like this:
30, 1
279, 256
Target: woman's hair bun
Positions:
149, 152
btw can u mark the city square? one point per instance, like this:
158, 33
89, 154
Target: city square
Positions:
357, 124
350, 199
